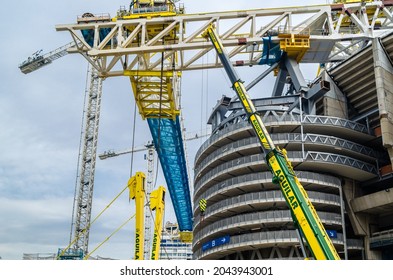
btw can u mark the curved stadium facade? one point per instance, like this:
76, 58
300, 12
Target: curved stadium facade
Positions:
338, 158
232, 176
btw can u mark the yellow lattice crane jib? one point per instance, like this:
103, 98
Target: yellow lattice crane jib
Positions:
155, 93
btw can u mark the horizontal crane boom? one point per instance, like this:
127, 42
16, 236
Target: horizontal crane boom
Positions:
111, 153
37, 60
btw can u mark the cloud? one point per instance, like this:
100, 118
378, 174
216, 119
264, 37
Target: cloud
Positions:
29, 225
41, 119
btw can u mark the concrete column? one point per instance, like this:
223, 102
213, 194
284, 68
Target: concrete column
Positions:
358, 221
361, 222
370, 254
334, 102
383, 69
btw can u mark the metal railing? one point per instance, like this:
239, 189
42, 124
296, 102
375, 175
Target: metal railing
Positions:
261, 198
251, 220
264, 178
284, 138
294, 156
382, 238
234, 125
254, 240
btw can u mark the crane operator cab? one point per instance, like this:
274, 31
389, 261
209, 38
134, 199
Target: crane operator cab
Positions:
149, 9
149, 6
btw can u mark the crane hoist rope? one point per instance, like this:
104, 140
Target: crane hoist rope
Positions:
107, 239
133, 141
64, 251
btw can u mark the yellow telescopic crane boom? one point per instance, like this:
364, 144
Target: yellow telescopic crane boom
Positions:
303, 212
136, 185
157, 203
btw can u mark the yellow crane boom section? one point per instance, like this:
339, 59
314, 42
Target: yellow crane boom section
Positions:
136, 185
157, 203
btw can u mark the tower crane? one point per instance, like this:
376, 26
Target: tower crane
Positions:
149, 44
81, 214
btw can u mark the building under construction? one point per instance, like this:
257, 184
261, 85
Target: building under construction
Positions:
332, 138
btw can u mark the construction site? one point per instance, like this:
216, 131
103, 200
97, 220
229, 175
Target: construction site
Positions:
298, 169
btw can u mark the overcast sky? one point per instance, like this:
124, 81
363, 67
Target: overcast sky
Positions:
40, 121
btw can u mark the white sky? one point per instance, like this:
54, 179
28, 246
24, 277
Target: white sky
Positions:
40, 122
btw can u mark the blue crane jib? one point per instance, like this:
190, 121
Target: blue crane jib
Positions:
168, 142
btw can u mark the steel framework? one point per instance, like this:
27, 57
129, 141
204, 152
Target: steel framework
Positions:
149, 55
84, 192
336, 31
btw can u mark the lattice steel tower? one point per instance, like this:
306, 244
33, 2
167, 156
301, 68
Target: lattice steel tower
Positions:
87, 161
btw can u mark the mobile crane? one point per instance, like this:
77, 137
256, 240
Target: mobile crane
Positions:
304, 215
136, 185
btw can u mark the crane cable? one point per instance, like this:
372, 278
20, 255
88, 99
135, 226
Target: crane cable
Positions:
106, 239
90, 224
158, 141
134, 123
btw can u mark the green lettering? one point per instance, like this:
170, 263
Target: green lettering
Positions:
294, 205
287, 190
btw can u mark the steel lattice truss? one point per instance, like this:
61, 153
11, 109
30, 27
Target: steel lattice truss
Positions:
84, 198
169, 146
143, 47
336, 32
